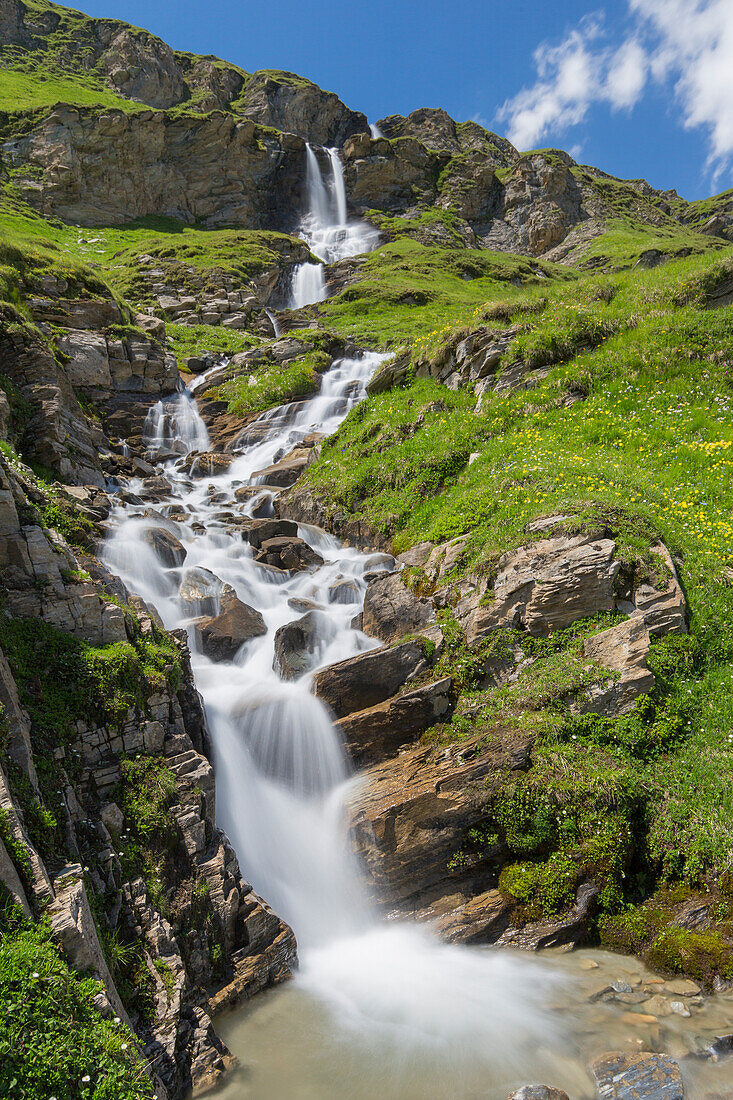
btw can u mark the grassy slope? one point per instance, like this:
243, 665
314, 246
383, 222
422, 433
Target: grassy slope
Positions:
649, 451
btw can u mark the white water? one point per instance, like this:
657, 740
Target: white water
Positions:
375, 131
282, 773
175, 425
330, 233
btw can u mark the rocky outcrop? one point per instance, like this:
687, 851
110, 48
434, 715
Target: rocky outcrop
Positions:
389, 175
377, 733
410, 815
437, 130
91, 166
289, 102
391, 610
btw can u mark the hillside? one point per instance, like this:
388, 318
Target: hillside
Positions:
544, 448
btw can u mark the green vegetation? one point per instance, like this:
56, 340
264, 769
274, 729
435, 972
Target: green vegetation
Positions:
273, 383
192, 340
53, 1040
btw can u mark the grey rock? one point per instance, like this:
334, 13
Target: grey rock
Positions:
644, 1076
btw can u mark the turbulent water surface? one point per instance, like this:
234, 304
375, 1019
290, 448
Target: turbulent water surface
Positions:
376, 1009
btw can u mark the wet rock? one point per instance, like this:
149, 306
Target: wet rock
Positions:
300, 603
372, 735
259, 531
480, 919
199, 591
293, 554
295, 643
538, 1092
548, 585
643, 1076
568, 928
343, 591
379, 563
285, 473
370, 678
410, 815
207, 465
222, 636
391, 610
168, 548
155, 488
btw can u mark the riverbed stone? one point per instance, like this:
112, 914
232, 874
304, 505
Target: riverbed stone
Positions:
289, 553
538, 1092
167, 547
296, 642
643, 1076
199, 591
222, 636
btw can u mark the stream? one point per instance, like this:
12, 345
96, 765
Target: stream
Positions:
377, 1008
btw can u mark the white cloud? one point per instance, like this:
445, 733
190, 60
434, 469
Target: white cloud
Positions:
685, 44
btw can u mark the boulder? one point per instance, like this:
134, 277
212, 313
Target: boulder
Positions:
370, 678
286, 472
88, 361
344, 591
293, 554
210, 464
548, 585
167, 547
259, 531
155, 488
199, 591
376, 733
643, 1076
222, 636
623, 649
295, 643
391, 610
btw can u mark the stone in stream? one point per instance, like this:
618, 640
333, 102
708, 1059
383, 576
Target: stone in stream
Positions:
199, 591
259, 531
391, 610
155, 488
538, 1092
369, 678
167, 547
343, 590
207, 465
293, 554
376, 733
644, 1076
222, 636
295, 643
286, 472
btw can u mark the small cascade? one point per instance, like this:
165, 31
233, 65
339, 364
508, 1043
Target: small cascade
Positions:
375, 131
274, 322
327, 228
175, 425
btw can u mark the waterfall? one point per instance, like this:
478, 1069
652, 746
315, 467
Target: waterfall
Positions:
281, 770
175, 425
375, 131
326, 226
274, 322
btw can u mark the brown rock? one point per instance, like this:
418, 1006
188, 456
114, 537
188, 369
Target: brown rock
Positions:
221, 637
167, 547
295, 643
368, 679
643, 1076
376, 733
289, 553
391, 610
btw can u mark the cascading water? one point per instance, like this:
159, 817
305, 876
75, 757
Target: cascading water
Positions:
175, 425
330, 234
282, 773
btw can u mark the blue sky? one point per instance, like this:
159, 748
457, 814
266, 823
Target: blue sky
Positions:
637, 87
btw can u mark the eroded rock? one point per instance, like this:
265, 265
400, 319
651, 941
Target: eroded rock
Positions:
369, 678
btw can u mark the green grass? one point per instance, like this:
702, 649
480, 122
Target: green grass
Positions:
192, 340
648, 452
407, 290
26, 90
53, 1041
273, 383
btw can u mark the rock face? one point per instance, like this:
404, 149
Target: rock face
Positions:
622, 1076
295, 643
410, 814
376, 733
368, 679
224, 634
94, 167
288, 102
548, 585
